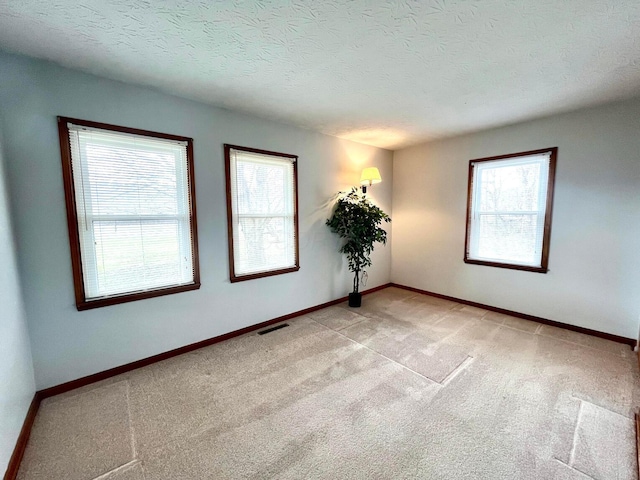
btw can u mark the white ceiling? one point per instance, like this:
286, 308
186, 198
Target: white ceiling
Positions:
387, 73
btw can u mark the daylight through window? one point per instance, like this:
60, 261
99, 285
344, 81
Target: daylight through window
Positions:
509, 211
133, 210
262, 212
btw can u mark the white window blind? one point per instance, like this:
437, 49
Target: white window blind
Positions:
263, 210
133, 211
508, 206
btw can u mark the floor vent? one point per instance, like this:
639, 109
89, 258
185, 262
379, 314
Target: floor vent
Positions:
273, 329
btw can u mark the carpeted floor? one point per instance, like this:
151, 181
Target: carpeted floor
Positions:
408, 386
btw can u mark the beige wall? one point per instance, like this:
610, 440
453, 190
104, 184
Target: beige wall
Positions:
594, 266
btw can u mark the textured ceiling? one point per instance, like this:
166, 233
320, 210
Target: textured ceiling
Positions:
386, 73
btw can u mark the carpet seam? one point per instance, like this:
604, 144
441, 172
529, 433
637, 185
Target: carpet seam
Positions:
580, 345
450, 376
538, 330
348, 326
631, 342
601, 407
574, 445
379, 354
134, 451
574, 469
121, 468
515, 329
456, 371
582, 416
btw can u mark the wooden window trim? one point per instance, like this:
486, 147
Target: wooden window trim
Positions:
546, 237
232, 275
72, 221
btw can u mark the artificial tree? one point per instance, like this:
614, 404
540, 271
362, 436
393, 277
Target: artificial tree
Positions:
358, 221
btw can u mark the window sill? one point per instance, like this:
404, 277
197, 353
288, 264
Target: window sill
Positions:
270, 273
132, 297
506, 265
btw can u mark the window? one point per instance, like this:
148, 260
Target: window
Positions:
131, 212
509, 210
262, 212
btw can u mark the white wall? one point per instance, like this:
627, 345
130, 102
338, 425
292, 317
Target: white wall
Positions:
68, 344
16, 370
594, 268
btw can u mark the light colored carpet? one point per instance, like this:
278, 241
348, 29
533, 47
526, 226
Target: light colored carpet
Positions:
408, 386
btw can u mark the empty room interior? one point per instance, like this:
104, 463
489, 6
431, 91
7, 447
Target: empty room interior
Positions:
328, 240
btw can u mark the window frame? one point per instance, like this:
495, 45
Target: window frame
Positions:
82, 303
230, 227
546, 236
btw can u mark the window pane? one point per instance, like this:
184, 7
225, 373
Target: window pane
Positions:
262, 188
264, 243
510, 188
508, 238
506, 223
130, 181
138, 255
133, 211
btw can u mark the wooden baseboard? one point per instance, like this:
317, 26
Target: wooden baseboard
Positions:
23, 438
608, 336
112, 372
21, 444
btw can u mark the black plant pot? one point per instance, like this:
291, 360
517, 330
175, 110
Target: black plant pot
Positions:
355, 299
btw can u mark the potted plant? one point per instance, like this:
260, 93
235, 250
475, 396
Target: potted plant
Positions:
358, 221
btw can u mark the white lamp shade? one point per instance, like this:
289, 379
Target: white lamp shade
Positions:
370, 176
